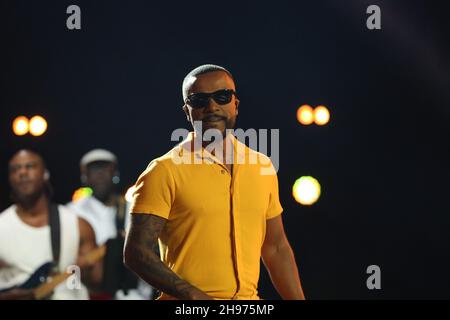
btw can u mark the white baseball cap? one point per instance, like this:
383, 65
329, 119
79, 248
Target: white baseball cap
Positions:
97, 155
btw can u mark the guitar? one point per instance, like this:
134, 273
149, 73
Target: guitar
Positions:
42, 282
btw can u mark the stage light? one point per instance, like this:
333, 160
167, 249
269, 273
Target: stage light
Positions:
20, 126
305, 115
306, 190
81, 193
129, 194
321, 115
38, 126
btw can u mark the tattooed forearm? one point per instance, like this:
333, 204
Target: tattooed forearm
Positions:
140, 255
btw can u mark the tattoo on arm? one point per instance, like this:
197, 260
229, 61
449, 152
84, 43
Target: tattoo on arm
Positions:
141, 255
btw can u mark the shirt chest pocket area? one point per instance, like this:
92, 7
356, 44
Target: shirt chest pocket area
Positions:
253, 196
205, 193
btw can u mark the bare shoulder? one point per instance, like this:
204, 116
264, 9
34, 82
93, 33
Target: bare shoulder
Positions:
86, 230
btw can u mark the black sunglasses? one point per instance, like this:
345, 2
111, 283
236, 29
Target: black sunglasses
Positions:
201, 99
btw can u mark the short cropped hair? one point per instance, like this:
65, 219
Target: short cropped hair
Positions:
198, 71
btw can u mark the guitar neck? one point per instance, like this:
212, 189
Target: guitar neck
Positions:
45, 289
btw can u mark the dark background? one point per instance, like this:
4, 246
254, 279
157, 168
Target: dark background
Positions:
383, 161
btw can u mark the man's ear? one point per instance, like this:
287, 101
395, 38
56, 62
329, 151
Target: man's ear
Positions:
186, 111
236, 103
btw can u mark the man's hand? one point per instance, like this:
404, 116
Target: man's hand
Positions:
17, 294
140, 256
199, 295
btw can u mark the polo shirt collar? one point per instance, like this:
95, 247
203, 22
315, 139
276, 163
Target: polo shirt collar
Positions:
191, 145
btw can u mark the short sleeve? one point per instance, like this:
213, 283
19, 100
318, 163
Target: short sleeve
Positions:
154, 191
274, 209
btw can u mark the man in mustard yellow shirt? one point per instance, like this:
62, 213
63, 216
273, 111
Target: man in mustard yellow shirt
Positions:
213, 212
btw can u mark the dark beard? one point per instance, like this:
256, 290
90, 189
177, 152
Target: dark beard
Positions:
230, 124
27, 201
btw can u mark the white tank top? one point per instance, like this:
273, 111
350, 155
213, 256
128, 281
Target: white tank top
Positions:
101, 218
24, 248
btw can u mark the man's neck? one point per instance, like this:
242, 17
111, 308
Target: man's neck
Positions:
34, 211
225, 147
110, 201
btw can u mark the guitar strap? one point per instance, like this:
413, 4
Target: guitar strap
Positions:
55, 233
115, 275
120, 215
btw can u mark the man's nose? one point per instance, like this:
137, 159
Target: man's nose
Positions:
22, 171
211, 106
100, 176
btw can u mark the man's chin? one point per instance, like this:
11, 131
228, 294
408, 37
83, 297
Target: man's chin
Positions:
213, 130
103, 194
24, 196
216, 128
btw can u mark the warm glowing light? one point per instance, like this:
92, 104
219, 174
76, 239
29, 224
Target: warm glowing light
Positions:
305, 115
321, 115
20, 126
129, 194
38, 126
306, 190
81, 193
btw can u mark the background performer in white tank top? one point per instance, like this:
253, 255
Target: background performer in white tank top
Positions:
25, 240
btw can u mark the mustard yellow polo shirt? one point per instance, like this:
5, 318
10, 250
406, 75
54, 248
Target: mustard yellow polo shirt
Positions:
216, 221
